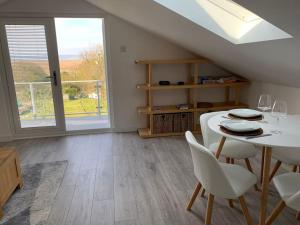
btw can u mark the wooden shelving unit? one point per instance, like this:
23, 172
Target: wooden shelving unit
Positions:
188, 86
191, 87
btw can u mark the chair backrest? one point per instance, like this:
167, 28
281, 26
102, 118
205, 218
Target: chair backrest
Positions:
209, 137
294, 201
208, 170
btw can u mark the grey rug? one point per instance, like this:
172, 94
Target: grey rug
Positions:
31, 205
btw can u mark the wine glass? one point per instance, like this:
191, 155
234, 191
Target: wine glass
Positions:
279, 111
265, 103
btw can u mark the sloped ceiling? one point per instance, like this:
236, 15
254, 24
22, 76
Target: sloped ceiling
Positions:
272, 61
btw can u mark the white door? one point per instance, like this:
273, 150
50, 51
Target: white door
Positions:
31, 61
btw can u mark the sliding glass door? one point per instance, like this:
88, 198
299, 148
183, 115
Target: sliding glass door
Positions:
30, 55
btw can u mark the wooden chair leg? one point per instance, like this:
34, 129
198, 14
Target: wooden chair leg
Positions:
295, 168
230, 202
262, 164
209, 209
194, 196
245, 211
280, 206
275, 169
202, 192
251, 170
298, 216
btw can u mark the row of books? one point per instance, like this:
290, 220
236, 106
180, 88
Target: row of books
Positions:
174, 122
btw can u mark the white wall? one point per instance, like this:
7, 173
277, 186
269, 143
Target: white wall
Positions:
123, 72
5, 122
289, 94
126, 75
265, 61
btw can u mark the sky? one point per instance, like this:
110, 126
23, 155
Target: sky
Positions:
77, 34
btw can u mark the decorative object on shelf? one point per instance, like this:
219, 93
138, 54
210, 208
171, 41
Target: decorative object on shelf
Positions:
218, 80
204, 105
206, 80
183, 106
167, 120
164, 82
229, 79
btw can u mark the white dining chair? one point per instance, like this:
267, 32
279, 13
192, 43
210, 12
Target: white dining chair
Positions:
232, 149
288, 187
219, 179
289, 156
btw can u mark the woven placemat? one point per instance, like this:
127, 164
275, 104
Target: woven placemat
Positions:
248, 133
254, 118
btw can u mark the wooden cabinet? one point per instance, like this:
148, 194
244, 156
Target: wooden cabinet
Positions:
10, 175
151, 111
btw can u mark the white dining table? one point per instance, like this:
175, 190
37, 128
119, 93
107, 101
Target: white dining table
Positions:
289, 136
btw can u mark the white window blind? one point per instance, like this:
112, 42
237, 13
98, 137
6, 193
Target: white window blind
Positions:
26, 42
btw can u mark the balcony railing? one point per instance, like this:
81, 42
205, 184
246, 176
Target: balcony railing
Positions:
81, 98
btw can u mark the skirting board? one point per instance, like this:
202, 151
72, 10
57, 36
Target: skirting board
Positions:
6, 138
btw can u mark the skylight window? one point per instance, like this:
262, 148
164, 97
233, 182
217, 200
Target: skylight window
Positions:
226, 19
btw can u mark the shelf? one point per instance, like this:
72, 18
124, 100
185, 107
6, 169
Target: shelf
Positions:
190, 91
145, 133
218, 106
189, 86
162, 109
174, 61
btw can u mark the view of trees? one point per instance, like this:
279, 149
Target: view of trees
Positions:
78, 97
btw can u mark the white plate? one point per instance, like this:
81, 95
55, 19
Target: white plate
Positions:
246, 113
240, 125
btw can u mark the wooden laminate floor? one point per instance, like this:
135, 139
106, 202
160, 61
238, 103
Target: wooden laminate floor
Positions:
122, 179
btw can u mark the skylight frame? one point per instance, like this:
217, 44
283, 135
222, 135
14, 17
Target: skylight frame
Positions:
221, 5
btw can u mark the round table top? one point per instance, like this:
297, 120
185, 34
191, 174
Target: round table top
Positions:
289, 127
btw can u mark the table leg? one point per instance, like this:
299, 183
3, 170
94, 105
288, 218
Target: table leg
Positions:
218, 153
265, 186
262, 164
